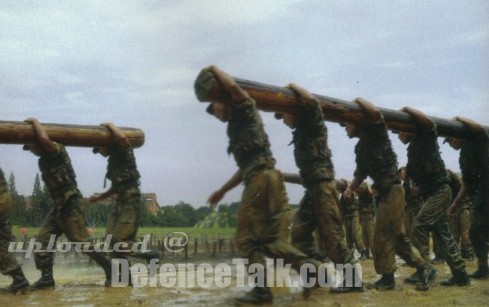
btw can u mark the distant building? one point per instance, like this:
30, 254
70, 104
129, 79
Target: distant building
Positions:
149, 200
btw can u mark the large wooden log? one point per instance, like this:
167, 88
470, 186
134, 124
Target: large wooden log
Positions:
281, 99
13, 132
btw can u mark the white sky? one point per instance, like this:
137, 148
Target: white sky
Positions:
134, 63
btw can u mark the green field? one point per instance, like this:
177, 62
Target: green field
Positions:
158, 231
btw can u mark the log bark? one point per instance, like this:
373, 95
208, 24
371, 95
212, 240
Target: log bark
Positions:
13, 132
272, 98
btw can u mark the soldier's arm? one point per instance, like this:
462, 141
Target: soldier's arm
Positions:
119, 136
349, 192
458, 200
102, 196
217, 195
237, 94
305, 97
374, 113
472, 125
42, 136
419, 117
292, 178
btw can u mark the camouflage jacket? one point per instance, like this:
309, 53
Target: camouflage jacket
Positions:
413, 202
455, 183
474, 164
348, 209
122, 171
375, 157
425, 165
248, 141
58, 175
366, 204
3, 182
312, 155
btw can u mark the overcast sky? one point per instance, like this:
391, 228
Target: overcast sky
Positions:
134, 63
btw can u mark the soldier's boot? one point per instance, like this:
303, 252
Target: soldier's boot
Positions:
386, 282
481, 273
414, 278
45, 282
459, 278
427, 276
363, 255
258, 295
20, 284
307, 290
356, 284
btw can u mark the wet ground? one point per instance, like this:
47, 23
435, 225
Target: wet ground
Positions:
80, 284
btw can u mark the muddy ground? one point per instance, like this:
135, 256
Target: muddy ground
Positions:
81, 284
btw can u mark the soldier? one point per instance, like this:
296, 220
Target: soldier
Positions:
367, 216
413, 200
8, 263
375, 158
123, 220
474, 164
351, 222
459, 223
68, 214
264, 203
319, 207
428, 172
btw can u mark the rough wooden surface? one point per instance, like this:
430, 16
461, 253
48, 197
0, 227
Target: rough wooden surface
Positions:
13, 132
281, 99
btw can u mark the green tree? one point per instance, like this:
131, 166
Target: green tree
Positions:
187, 212
18, 215
41, 203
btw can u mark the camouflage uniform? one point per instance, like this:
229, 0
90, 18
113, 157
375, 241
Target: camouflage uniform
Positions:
264, 203
459, 224
351, 222
367, 219
413, 204
375, 158
123, 220
319, 206
8, 263
474, 164
68, 214
428, 172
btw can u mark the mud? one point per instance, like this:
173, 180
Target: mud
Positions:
81, 284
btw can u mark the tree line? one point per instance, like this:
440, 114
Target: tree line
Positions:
29, 211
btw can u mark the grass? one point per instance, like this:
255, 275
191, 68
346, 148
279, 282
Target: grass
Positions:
158, 231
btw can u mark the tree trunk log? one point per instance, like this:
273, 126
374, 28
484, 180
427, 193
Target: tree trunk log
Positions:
12, 132
281, 99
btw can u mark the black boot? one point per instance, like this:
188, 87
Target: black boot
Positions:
481, 273
458, 279
258, 295
427, 275
45, 282
413, 278
19, 283
386, 282
347, 286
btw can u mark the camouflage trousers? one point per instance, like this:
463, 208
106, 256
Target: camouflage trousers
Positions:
479, 227
353, 232
410, 212
367, 221
123, 223
432, 217
459, 225
69, 219
319, 208
261, 219
8, 263
389, 235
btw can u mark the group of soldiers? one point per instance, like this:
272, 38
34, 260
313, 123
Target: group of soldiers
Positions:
263, 210
408, 209
68, 215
